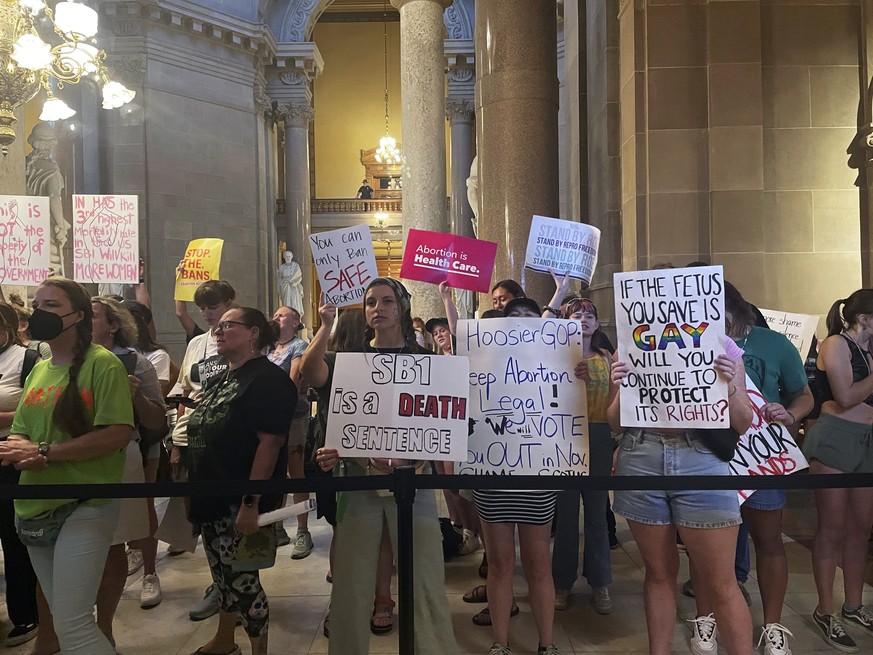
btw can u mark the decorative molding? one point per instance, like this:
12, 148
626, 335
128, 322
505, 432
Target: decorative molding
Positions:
126, 27
130, 70
460, 74
295, 26
459, 110
263, 102
295, 114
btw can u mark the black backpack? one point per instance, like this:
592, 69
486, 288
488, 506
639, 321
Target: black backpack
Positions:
31, 357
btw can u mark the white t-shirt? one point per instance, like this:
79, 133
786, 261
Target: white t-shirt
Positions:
11, 363
200, 363
160, 359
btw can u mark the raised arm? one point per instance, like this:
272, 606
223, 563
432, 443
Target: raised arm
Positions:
451, 308
562, 286
312, 364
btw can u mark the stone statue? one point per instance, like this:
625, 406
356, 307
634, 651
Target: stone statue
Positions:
291, 283
43, 176
473, 193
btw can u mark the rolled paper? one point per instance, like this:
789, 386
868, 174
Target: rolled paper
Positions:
732, 350
286, 512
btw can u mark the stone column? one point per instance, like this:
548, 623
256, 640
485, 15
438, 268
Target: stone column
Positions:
861, 150
297, 117
422, 86
516, 129
460, 114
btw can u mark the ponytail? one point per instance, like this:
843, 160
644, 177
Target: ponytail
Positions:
860, 302
834, 321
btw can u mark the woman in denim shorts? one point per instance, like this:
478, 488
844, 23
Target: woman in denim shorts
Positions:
840, 442
707, 521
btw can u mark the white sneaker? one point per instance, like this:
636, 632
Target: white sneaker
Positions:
470, 543
134, 560
602, 601
704, 635
775, 640
151, 591
562, 599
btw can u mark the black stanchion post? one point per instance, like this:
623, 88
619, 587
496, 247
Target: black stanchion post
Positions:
404, 496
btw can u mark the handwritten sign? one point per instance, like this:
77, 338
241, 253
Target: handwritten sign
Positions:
670, 329
403, 406
799, 328
201, 263
436, 257
766, 448
106, 239
345, 262
529, 411
563, 246
24, 240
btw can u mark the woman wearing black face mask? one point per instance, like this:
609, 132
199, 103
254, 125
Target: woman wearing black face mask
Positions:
74, 418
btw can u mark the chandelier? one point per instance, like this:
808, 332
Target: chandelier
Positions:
28, 63
387, 152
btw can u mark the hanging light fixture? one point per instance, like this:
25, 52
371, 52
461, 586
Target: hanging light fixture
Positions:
28, 63
387, 152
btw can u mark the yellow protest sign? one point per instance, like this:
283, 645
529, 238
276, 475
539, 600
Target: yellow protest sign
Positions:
201, 263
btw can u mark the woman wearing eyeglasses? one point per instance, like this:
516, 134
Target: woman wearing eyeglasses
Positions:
239, 431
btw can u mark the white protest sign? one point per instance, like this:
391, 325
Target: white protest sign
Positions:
403, 406
106, 239
345, 262
766, 448
24, 240
528, 408
562, 246
670, 329
799, 328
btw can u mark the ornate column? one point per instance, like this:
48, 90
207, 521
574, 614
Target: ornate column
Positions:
422, 85
517, 129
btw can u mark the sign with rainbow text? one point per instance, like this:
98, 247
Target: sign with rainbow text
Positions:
24, 239
562, 246
766, 448
462, 262
201, 263
670, 329
106, 239
399, 405
345, 262
799, 328
528, 411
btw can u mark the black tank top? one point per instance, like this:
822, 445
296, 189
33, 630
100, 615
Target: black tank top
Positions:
860, 370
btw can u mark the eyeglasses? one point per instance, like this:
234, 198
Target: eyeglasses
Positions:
224, 325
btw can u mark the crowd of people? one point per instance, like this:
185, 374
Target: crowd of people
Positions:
89, 395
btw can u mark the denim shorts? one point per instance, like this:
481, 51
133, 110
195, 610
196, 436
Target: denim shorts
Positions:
767, 499
649, 453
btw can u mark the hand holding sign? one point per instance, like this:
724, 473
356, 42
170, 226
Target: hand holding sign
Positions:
435, 257
201, 263
106, 239
555, 244
345, 262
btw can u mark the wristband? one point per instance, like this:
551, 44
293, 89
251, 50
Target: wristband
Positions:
556, 312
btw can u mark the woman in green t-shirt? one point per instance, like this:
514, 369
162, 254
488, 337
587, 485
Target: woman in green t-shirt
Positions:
71, 433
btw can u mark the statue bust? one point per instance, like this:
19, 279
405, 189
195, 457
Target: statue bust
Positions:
44, 178
291, 283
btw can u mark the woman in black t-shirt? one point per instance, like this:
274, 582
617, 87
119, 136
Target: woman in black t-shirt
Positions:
239, 431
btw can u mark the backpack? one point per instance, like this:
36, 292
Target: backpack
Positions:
31, 357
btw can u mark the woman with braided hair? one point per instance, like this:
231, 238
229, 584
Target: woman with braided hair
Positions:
71, 427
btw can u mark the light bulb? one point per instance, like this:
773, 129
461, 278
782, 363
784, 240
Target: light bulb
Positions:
55, 109
33, 6
73, 18
32, 53
116, 95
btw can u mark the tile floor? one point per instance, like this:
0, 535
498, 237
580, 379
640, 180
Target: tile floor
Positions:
299, 598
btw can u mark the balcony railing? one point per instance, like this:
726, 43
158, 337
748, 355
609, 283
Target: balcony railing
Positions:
350, 206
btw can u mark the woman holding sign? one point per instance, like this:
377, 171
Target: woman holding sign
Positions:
841, 442
361, 514
707, 521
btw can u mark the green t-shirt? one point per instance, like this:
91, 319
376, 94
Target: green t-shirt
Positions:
773, 364
105, 390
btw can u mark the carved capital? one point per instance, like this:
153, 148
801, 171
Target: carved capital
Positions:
263, 102
459, 110
296, 114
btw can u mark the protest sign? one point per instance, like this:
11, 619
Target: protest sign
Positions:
399, 405
345, 262
201, 263
529, 412
766, 448
106, 239
562, 246
799, 328
24, 239
670, 329
462, 262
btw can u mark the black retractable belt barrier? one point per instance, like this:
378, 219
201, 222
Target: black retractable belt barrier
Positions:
404, 496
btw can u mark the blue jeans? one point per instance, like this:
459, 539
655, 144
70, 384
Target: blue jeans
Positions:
596, 561
70, 573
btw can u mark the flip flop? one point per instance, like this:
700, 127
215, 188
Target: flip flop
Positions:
478, 594
236, 651
386, 613
483, 618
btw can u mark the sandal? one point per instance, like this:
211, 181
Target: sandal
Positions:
483, 618
236, 651
386, 613
478, 594
329, 577
483, 567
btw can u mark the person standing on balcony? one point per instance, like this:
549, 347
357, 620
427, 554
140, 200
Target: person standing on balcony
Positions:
365, 192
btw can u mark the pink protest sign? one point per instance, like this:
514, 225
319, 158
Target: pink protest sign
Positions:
436, 257
24, 240
106, 239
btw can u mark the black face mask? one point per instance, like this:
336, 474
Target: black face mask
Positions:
45, 326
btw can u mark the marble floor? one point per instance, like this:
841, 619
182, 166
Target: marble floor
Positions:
299, 597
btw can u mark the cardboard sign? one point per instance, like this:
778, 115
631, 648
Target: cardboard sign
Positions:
345, 262
670, 329
403, 406
201, 263
106, 239
766, 448
562, 246
529, 412
799, 328
436, 257
25, 230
